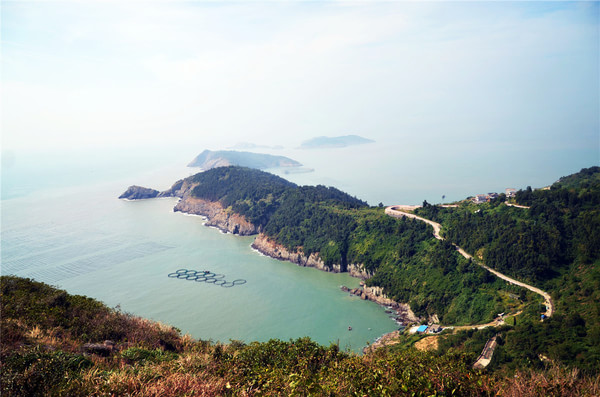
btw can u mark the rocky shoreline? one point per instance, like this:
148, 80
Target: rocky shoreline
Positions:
270, 248
230, 222
216, 216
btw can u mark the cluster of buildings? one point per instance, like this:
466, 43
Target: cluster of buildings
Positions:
485, 198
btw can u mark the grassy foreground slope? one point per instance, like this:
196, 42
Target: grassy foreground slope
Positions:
54, 343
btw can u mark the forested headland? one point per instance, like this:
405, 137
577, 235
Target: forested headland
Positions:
554, 245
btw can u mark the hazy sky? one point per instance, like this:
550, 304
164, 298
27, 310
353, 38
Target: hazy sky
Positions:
81, 74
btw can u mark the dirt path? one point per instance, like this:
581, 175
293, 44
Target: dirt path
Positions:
398, 211
517, 205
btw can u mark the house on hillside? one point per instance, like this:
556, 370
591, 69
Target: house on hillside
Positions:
510, 192
480, 198
435, 328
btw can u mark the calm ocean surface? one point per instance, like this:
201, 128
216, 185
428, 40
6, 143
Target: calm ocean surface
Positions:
63, 224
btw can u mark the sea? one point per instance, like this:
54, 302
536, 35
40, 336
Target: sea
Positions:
63, 224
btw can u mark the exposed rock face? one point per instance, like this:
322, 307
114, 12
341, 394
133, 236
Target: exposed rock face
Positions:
357, 270
216, 215
179, 189
270, 248
137, 193
376, 294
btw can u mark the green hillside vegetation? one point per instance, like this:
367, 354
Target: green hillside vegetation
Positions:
555, 244
45, 331
585, 179
402, 255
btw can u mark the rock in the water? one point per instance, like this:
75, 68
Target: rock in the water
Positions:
138, 193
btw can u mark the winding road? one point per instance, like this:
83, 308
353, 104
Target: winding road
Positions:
399, 211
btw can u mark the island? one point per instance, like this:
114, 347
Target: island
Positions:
326, 142
209, 159
138, 193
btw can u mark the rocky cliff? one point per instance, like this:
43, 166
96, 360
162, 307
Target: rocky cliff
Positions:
138, 193
217, 216
270, 248
179, 189
375, 294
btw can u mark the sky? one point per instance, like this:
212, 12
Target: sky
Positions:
91, 74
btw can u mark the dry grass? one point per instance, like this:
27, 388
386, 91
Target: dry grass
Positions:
554, 382
427, 344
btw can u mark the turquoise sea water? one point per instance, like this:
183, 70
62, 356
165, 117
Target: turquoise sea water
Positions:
85, 240
63, 224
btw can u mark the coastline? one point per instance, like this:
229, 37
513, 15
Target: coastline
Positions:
215, 215
229, 222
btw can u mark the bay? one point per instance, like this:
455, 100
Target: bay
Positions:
63, 224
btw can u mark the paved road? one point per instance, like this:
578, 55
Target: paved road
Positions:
398, 211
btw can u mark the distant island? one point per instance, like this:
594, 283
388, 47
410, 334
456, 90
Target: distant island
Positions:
210, 159
322, 142
139, 193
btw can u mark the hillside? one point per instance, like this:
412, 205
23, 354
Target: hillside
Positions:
554, 245
54, 343
584, 179
325, 228
222, 158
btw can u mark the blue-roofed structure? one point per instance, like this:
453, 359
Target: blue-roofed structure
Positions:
422, 328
